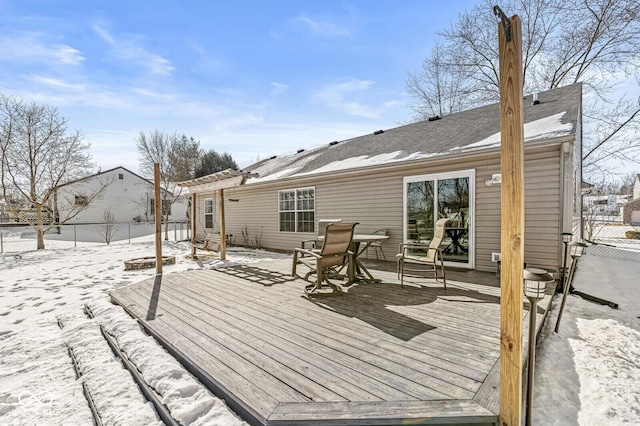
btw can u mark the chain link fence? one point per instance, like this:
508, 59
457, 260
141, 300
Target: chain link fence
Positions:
16, 239
611, 238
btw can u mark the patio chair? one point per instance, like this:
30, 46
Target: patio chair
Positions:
432, 255
322, 226
333, 254
377, 245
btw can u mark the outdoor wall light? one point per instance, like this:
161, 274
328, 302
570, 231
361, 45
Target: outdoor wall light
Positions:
535, 288
496, 179
576, 249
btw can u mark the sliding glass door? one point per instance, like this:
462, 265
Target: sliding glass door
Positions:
428, 198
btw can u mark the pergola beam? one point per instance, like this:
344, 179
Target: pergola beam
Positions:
215, 182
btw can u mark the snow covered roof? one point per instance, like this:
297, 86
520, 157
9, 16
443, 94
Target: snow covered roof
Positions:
228, 178
472, 131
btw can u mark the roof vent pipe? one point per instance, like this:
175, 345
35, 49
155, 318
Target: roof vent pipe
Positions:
333, 143
535, 99
434, 118
300, 150
378, 132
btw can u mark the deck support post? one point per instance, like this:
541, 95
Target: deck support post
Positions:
512, 218
223, 235
193, 224
158, 214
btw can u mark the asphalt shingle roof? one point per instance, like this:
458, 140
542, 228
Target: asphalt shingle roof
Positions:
477, 129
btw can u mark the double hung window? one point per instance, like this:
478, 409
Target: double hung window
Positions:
208, 213
296, 210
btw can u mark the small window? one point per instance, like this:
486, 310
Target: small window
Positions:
120, 176
208, 213
296, 210
81, 200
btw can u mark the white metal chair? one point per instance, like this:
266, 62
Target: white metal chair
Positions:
412, 253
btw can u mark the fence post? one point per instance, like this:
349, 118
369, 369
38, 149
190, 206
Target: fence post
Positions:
175, 232
1, 241
129, 223
75, 241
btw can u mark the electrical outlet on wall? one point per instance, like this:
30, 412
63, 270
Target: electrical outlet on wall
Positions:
495, 257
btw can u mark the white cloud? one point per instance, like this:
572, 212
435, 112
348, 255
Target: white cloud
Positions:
323, 28
57, 83
278, 88
129, 50
336, 96
104, 35
36, 47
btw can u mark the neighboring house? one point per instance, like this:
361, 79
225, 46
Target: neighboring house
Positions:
404, 179
604, 205
631, 210
128, 196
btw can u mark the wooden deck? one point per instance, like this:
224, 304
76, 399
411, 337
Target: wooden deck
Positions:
378, 354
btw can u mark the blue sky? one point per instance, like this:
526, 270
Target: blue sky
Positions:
252, 78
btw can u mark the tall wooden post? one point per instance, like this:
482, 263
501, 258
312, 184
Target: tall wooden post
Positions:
193, 224
512, 218
223, 235
158, 211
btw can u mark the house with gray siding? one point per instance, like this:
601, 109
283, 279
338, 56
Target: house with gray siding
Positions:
405, 178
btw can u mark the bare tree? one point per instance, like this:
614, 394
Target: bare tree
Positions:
596, 42
38, 155
626, 184
161, 147
108, 227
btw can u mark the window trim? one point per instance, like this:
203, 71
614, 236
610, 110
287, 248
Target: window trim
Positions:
466, 173
295, 210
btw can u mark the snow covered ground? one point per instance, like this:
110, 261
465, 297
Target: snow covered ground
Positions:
587, 374
38, 385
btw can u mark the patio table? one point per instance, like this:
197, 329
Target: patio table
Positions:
360, 242
456, 234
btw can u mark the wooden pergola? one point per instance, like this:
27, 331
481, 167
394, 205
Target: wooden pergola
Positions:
215, 182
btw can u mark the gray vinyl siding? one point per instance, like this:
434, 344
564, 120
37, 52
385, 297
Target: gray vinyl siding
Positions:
374, 199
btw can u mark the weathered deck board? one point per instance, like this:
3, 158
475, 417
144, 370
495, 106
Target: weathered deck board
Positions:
454, 412
352, 352
379, 354
304, 362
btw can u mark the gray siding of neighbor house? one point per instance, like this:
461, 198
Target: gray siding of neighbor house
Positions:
374, 199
